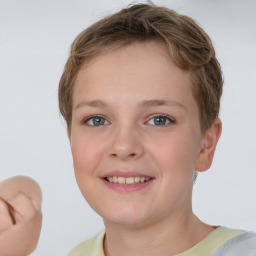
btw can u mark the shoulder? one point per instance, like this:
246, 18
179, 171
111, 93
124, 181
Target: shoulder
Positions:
92, 247
241, 244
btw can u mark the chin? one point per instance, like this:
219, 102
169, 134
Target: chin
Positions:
125, 219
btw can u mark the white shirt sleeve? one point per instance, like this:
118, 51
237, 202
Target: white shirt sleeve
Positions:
240, 245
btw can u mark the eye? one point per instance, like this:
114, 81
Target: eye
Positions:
96, 121
160, 120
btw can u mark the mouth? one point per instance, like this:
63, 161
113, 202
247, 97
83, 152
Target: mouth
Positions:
127, 180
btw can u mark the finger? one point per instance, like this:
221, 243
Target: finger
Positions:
21, 207
5, 218
21, 239
11, 187
10, 210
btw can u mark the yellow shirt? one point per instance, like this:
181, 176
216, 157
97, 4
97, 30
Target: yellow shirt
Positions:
94, 246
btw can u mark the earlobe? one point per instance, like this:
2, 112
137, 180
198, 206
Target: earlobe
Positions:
208, 147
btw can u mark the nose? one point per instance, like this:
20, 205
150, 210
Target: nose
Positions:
126, 144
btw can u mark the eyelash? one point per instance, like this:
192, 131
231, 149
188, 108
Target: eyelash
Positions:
166, 118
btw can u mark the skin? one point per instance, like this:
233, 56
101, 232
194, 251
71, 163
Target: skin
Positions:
158, 219
20, 216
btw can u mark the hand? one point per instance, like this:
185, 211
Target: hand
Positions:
20, 216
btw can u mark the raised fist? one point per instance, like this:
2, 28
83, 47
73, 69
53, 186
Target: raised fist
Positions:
20, 216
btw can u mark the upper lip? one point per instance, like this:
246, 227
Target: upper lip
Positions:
123, 173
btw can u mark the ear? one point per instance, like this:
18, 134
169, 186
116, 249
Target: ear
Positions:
208, 146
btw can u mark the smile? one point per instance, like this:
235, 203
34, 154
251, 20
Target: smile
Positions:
127, 180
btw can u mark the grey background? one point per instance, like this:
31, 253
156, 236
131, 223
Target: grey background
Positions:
35, 36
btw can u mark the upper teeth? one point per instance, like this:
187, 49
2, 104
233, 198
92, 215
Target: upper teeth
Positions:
127, 180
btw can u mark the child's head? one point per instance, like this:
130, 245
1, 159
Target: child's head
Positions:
140, 94
189, 47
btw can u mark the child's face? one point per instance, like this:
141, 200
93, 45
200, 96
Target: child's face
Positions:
134, 116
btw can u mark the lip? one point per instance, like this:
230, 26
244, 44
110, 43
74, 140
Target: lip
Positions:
126, 188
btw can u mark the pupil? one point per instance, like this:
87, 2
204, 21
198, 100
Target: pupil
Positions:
98, 121
160, 120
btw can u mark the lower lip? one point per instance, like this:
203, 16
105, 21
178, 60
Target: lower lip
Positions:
127, 187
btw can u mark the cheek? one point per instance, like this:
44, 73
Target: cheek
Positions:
85, 162
176, 153
82, 153
86, 151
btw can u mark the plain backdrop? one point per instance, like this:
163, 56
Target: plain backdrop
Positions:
35, 37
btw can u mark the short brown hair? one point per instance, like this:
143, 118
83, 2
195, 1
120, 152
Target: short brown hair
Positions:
190, 48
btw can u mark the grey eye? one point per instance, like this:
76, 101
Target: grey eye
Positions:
96, 121
160, 120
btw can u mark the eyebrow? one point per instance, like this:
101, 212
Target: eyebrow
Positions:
92, 103
157, 102
142, 104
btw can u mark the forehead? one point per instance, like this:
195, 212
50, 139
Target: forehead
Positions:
143, 69
147, 54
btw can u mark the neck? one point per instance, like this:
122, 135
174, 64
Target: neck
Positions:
183, 232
